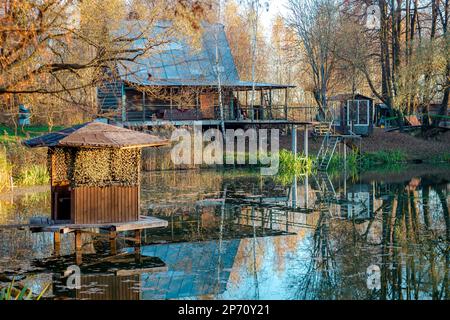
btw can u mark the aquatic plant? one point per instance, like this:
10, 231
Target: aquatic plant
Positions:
443, 158
362, 162
33, 175
5, 171
12, 293
292, 165
383, 157
295, 164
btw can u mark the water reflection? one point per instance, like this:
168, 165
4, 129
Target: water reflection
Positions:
235, 235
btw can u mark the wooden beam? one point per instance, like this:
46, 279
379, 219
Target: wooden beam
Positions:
113, 242
57, 242
78, 240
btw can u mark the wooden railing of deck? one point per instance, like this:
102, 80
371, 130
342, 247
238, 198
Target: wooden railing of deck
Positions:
151, 112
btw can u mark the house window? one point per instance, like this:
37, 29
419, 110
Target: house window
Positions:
358, 112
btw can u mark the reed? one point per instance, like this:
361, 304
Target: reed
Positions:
33, 175
357, 162
11, 292
294, 164
5, 171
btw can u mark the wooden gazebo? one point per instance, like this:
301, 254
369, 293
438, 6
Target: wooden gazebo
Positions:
95, 172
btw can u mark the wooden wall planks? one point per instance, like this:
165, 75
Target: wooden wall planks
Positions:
95, 205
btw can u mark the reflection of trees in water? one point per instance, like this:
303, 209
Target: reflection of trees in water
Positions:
414, 249
413, 254
18, 245
319, 279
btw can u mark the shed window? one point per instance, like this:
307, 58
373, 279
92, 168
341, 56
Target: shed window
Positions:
360, 207
358, 112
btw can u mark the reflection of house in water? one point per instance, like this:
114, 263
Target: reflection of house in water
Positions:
115, 277
108, 287
194, 269
360, 205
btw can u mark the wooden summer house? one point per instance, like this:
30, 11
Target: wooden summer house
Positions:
179, 84
352, 113
95, 172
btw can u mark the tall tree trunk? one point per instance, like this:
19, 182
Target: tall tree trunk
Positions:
443, 110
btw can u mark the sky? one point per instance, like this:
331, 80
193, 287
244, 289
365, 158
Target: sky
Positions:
275, 7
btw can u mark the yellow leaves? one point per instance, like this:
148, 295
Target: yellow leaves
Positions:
420, 80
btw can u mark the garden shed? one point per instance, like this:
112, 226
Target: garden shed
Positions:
352, 113
95, 172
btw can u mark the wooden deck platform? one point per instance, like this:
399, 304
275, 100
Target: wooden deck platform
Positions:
60, 227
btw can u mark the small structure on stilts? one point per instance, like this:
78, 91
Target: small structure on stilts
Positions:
95, 181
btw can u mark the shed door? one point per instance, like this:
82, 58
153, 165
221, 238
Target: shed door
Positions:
62, 199
358, 112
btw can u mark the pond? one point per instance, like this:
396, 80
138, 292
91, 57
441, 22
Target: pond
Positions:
236, 235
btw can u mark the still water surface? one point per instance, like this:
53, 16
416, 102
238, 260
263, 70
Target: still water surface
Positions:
236, 235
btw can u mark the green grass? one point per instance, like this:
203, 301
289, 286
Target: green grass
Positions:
383, 158
7, 134
391, 160
27, 167
443, 158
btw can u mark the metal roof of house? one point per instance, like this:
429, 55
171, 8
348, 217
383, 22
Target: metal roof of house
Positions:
96, 135
179, 64
348, 96
195, 269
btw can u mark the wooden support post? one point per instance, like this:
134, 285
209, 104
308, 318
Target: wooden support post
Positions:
294, 139
294, 193
143, 106
306, 191
286, 103
237, 107
246, 104
171, 103
197, 104
78, 240
124, 104
345, 151
56, 243
78, 247
306, 142
113, 242
270, 105
137, 246
138, 237
261, 105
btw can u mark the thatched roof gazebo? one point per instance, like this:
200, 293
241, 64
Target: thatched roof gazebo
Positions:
95, 172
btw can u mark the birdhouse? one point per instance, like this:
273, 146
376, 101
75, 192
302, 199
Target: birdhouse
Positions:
95, 172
